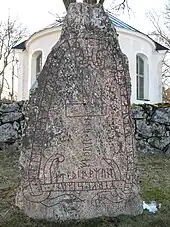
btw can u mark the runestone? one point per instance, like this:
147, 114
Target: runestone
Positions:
78, 153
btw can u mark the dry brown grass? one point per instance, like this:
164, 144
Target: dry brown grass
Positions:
155, 185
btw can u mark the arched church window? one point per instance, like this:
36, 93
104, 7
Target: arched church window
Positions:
38, 64
142, 77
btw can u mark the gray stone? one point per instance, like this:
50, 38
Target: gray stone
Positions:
141, 146
21, 103
137, 112
11, 117
167, 152
145, 148
167, 127
153, 131
9, 107
78, 154
23, 125
7, 133
159, 143
16, 125
143, 129
162, 115
147, 129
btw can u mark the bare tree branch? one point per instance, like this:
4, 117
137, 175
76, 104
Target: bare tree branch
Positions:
11, 32
120, 6
161, 34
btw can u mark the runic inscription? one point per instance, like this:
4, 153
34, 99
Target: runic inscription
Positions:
82, 186
78, 152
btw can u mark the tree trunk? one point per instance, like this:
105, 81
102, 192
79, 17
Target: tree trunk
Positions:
2, 85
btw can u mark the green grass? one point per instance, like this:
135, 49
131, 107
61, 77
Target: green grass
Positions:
155, 185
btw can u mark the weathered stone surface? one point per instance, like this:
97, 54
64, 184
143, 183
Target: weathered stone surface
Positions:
16, 125
160, 143
153, 131
138, 112
9, 107
10, 117
78, 153
145, 129
7, 133
162, 115
12, 113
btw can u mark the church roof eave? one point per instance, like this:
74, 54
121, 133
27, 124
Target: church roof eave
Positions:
116, 22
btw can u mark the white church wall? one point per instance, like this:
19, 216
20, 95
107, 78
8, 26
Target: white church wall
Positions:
156, 78
23, 92
44, 41
131, 43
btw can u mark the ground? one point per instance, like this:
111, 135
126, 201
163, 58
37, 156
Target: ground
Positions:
155, 185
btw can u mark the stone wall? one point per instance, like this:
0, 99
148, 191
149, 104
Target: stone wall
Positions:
152, 126
11, 120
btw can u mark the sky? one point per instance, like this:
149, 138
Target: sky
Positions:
37, 14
